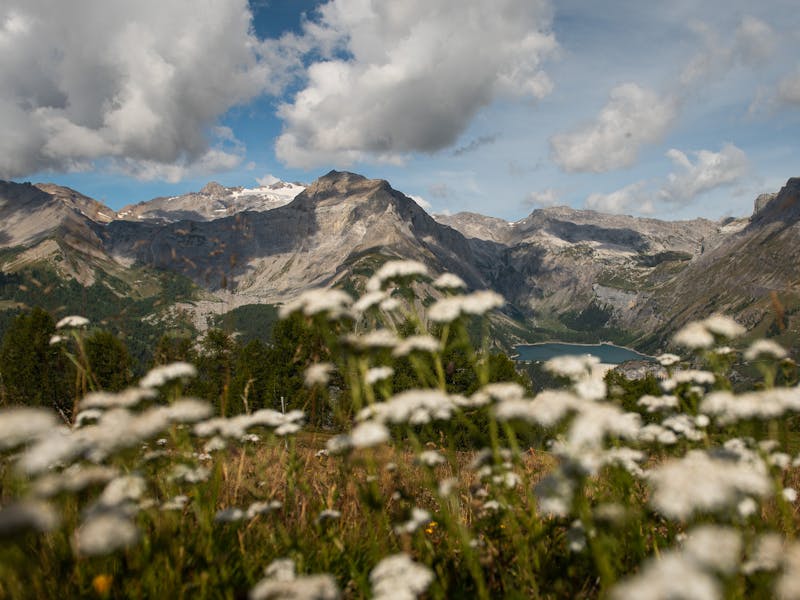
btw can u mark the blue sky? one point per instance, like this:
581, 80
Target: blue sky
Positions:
672, 110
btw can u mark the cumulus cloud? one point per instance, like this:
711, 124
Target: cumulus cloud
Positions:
422, 203
751, 45
400, 77
543, 198
709, 170
472, 146
140, 85
632, 198
634, 116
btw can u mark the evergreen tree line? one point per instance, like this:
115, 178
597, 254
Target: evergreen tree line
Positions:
236, 376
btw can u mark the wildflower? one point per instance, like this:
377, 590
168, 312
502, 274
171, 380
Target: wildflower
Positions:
546, 409
594, 422
102, 584
125, 399
747, 507
262, 508
287, 429
449, 281
416, 343
57, 339
310, 587
72, 322
229, 515
188, 474
477, 303
26, 516
573, 366
765, 349
57, 447
368, 434
328, 515
576, 537
715, 547
377, 374
656, 433
430, 458
684, 425
375, 339
214, 444
73, 479
418, 518
176, 503
555, 493
694, 335
667, 360
22, 425
395, 269
656, 403
673, 575
281, 569
431, 528
390, 304
332, 303
123, 489
398, 576
416, 407
158, 376
788, 584
723, 326
701, 483
105, 533
369, 300
767, 554
789, 494
446, 486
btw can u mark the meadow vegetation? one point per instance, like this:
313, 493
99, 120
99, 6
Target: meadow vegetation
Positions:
408, 460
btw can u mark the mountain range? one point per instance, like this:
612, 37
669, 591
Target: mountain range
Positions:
566, 273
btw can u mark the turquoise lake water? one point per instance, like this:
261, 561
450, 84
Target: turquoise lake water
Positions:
607, 353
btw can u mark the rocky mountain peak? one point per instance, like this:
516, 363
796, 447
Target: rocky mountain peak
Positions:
213, 189
783, 206
340, 183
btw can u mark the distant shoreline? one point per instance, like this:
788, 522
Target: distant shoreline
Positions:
584, 344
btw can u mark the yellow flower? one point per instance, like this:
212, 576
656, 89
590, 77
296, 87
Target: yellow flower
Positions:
431, 527
102, 584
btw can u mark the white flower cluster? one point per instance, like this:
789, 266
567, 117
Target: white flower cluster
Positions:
281, 581
399, 577
328, 302
477, 303
395, 269
415, 407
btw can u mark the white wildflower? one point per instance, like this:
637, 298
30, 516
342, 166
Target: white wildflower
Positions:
446, 486
715, 547
328, 514
673, 575
477, 303
590, 388
723, 326
701, 483
723, 350
181, 472
767, 554
177, 503
105, 533
574, 366
339, 444
416, 407
306, 587
395, 269
22, 425
377, 374
214, 444
369, 300
262, 508
419, 517
281, 569
546, 409
369, 434
765, 349
125, 399
747, 507
667, 360
449, 281
417, 343
654, 433
390, 304
554, 494
122, 490
72, 322
788, 584
375, 339
57, 339
430, 458
684, 425
789, 494
58, 447
73, 479
656, 403
694, 335
229, 515
287, 429
702, 421
332, 303
595, 422
398, 576
158, 376
26, 516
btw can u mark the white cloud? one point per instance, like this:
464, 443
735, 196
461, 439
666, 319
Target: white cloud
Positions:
634, 116
789, 88
543, 198
141, 84
710, 170
400, 77
422, 202
752, 44
633, 198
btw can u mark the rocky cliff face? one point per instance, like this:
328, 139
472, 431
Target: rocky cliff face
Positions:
559, 268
